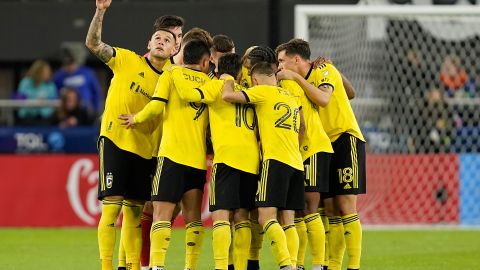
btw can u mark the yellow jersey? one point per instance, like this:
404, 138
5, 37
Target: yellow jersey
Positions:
337, 117
131, 88
184, 123
246, 80
315, 139
278, 123
232, 126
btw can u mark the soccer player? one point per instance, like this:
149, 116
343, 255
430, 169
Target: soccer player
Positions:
235, 165
181, 168
175, 25
194, 33
281, 183
125, 155
222, 45
324, 87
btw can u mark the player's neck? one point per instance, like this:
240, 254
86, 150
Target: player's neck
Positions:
194, 67
304, 68
157, 62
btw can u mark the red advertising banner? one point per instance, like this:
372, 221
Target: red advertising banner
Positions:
61, 190
411, 189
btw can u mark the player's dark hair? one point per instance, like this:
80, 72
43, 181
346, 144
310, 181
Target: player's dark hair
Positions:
295, 46
222, 44
198, 33
262, 54
194, 50
262, 68
168, 21
231, 64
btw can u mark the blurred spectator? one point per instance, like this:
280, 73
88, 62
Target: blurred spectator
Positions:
435, 124
71, 112
455, 79
78, 76
37, 85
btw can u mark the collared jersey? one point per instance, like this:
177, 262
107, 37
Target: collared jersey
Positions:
278, 122
184, 123
337, 117
315, 139
131, 88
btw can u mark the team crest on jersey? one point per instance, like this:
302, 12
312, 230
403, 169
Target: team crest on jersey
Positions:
109, 180
325, 74
141, 74
305, 148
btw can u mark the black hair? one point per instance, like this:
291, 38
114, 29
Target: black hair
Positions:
262, 68
262, 54
194, 51
295, 46
222, 44
231, 64
168, 21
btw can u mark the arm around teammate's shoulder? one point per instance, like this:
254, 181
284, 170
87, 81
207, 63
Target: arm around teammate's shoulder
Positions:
318, 95
229, 95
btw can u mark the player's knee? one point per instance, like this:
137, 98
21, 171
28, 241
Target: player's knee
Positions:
163, 211
148, 207
240, 215
221, 215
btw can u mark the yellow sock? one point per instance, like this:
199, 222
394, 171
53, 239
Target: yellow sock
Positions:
221, 243
278, 242
302, 240
231, 248
193, 243
316, 238
122, 260
159, 242
241, 244
107, 231
292, 243
326, 226
132, 233
336, 243
353, 239
257, 241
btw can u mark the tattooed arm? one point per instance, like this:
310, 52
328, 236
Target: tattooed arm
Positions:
94, 43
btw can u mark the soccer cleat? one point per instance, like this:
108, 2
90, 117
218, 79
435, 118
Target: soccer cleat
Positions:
158, 268
286, 267
300, 267
317, 267
231, 267
122, 268
253, 265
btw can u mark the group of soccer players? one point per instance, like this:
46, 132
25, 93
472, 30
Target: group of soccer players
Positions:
288, 154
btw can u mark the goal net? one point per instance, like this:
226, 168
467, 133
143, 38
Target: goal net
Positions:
416, 73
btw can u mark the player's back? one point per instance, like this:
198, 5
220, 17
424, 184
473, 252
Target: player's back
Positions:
233, 128
315, 139
184, 123
279, 123
337, 117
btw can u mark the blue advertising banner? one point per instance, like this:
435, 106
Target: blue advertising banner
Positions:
470, 189
48, 140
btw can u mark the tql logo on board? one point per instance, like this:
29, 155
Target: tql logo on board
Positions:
82, 190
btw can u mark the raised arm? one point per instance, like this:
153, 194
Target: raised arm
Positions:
94, 43
318, 95
231, 96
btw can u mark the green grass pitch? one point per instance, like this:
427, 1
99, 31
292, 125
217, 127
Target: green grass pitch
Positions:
74, 249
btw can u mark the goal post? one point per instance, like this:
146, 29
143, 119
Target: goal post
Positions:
416, 73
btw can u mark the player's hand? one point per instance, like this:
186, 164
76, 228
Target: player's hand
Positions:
320, 61
103, 4
128, 120
285, 74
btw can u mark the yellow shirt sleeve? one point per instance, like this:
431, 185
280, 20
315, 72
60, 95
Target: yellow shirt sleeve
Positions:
256, 94
160, 98
120, 56
329, 75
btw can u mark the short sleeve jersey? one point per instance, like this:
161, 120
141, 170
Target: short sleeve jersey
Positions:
279, 123
337, 117
131, 88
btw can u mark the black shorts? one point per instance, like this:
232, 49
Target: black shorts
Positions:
347, 169
172, 180
317, 169
122, 173
231, 188
280, 186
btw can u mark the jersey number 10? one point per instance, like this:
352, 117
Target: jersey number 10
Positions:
242, 115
